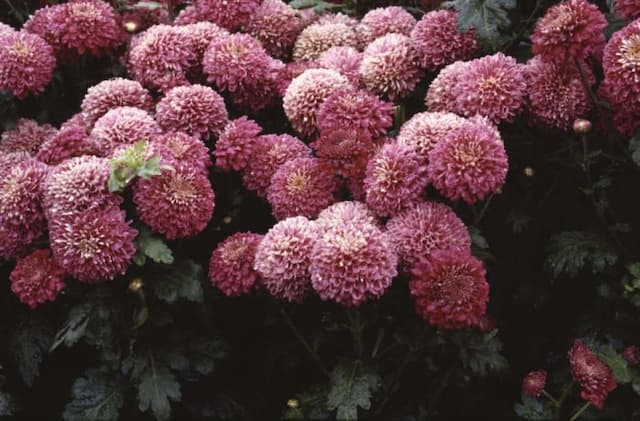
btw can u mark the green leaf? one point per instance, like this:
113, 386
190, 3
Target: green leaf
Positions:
133, 162
481, 352
95, 396
181, 281
157, 388
488, 17
480, 245
318, 5
619, 366
569, 252
29, 342
149, 5
153, 247
7, 405
204, 353
351, 388
75, 327
631, 284
533, 409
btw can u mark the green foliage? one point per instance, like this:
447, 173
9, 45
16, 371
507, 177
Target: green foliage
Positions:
533, 409
95, 396
153, 247
351, 388
181, 281
317, 5
131, 163
480, 245
490, 18
619, 366
481, 352
569, 252
148, 5
631, 284
205, 353
30, 341
7, 405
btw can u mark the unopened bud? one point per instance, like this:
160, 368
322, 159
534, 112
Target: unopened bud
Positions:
293, 403
135, 284
131, 26
581, 126
529, 172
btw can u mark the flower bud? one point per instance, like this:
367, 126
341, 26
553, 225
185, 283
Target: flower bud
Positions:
529, 171
135, 284
581, 126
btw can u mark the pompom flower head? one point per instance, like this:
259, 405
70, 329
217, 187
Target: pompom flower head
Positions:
595, 378
276, 25
440, 95
235, 144
347, 212
628, 9
450, 290
11, 159
318, 38
113, 93
424, 130
344, 60
534, 383
284, 256
37, 278
28, 136
184, 149
347, 150
621, 64
202, 34
123, 126
290, 71
385, 20
231, 264
69, 142
230, 14
188, 15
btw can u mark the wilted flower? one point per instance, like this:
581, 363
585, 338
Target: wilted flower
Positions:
231, 264
37, 278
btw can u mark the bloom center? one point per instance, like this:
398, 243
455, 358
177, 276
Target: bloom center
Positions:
298, 181
630, 52
181, 191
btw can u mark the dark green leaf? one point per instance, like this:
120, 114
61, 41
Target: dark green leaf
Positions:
153, 247
489, 18
75, 326
616, 362
482, 352
533, 409
181, 281
95, 396
204, 353
351, 388
157, 388
149, 5
303, 4
7, 405
571, 251
29, 342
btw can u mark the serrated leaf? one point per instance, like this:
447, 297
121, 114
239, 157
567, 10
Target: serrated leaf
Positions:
569, 252
75, 326
351, 388
619, 366
157, 388
488, 17
181, 281
204, 353
30, 341
133, 162
95, 396
481, 352
153, 247
533, 409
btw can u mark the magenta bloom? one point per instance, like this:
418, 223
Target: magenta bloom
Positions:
450, 290
306, 93
11, 159
235, 145
631, 354
276, 26
187, 16
231, 264
230, 14
37, 278
202, 33
469, 163
594, 377
114, 93
269, 152
344, 60
424, 130
290, 71
346, 212
69, 142
438, 41
21, 217
123, 126
390, 66
357, 110
569, 30
319, 37
194, 109
177, 203
395, 179
383, 21
183, 149
352, 263
534, 383
440, 96
348, 151
41, 23
4, 28
26, 63
28, 136
301, 186
621, 64
94, 245
492, 86
331, 18
427, 227
628, 9
283, 258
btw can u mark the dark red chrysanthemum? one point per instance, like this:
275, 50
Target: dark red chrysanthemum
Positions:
234, 147
276, 25
628, 9
534, 383
37, 278
231, 264
595, 377
348, 151
26, 63
230, 14
632, 354
184, 149
69, 142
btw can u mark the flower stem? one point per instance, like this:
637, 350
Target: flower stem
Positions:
356, 330
303, 342
551, 398
580, 411
563, 397
585, 83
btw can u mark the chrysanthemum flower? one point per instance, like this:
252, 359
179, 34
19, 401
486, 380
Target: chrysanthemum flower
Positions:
26, 63
113, 93
347, 150
621, 64
276, 25
269, 152
344, 60
628, 9
69, 142
331, 18
235, 144
283, 258
395, 179
534, 383
28, 136
194, 109
11, 159
631, 354
202, 33
440, 95
41, 23
289, 72
123, 126
385, 20
37, 278
569, 30
178, 203
188, 15
5, 28
595, 378
450, 289
493, 86
306, 93
424, 130
469, 163
424, 229
352, 263
317, 38
230, 14
347, 212
390, 66
21, 217
94, 245
231, 264
77, 120
184, 149
438, 41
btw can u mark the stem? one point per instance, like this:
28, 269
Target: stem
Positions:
356, 330
580, 411
485, 206
399, 116
586, 84
303, 342
376, 347
433, 402
563, 397
394, 383
551, 398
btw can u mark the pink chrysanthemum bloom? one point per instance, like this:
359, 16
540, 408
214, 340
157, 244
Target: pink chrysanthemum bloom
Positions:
94, 245
202, 33
41, 24
493, 86
123, 126
595, 378
5, 28
37, 278
28, 136
355, 109
302, 186
230, 14
424, 130
424, 229
534, 382
113, 93
556, 95
184, 149
351, 263
628, 9
188, 15
347, 150
194, 109
440, 95
276, 25
77, 120
438, 41
573, 29
347, 212
26, 63
306, 93
177, 203
21, 216
269, 152
318, 38
390, 66
395, 179
621, 64
331, 18
344, 60
231, 264
383, 21
632, 354
69, 142
283, 258
289, 72
161, 56
11, 159
469, 163
235, 144
450, 289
